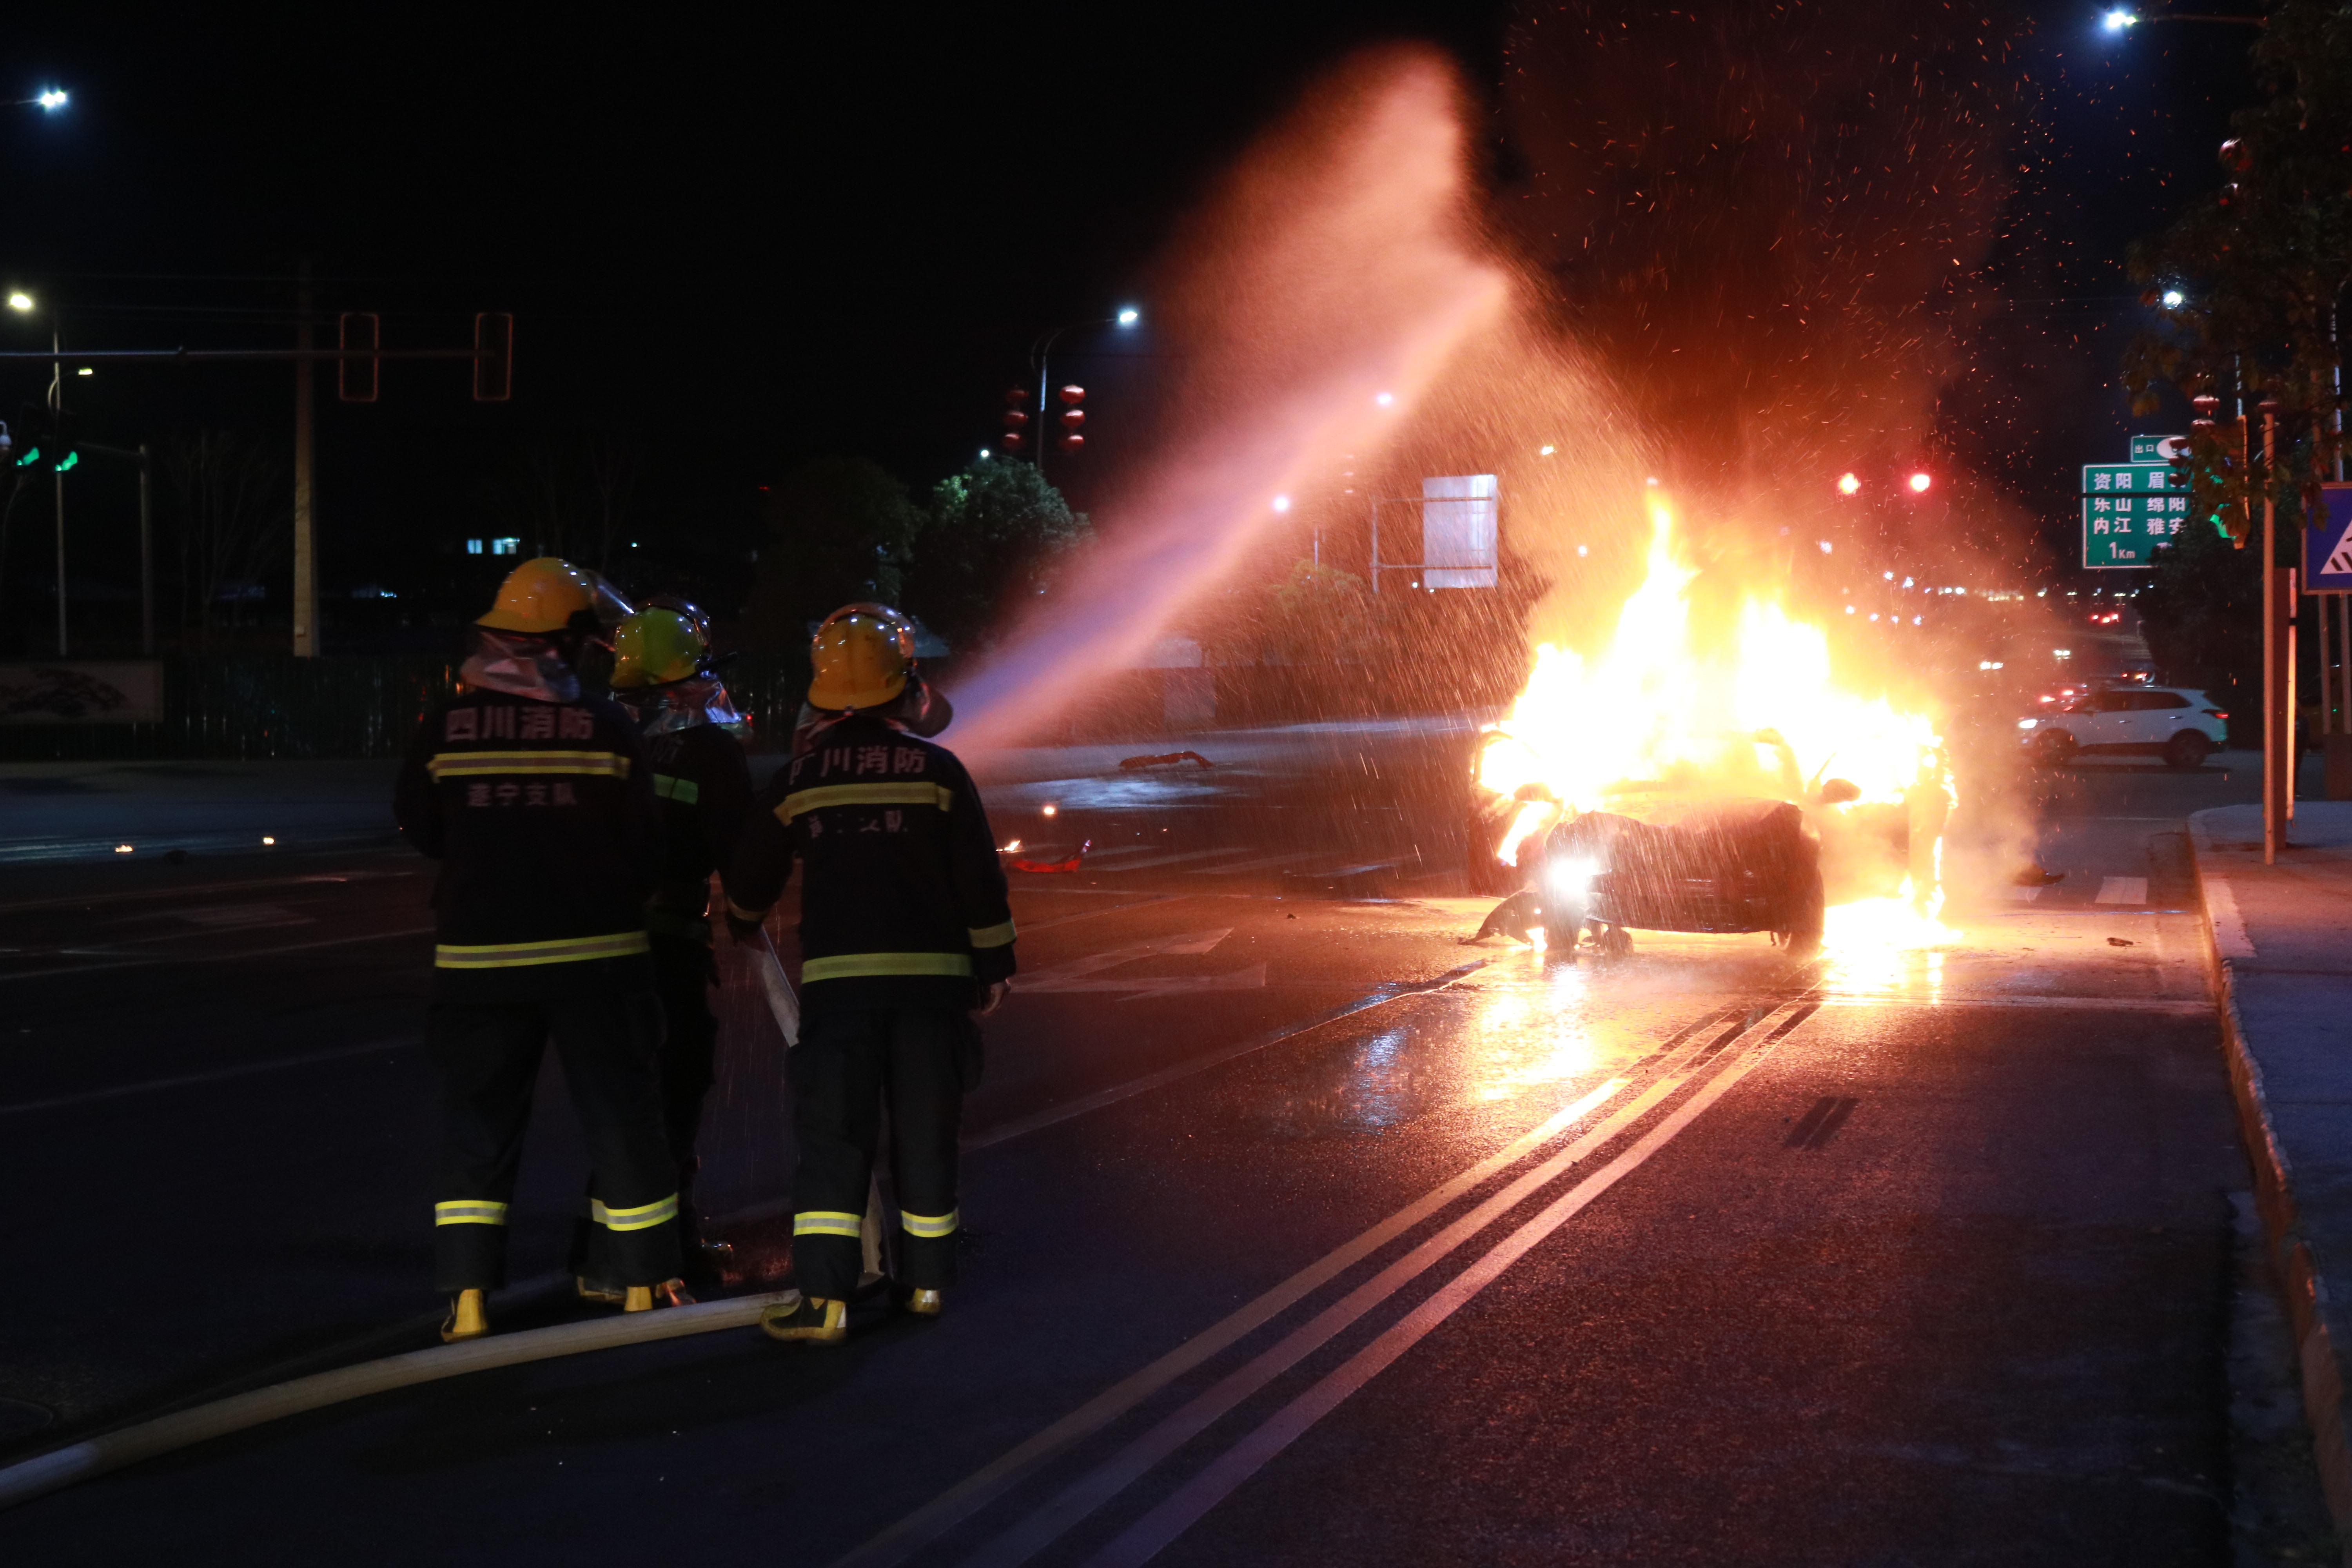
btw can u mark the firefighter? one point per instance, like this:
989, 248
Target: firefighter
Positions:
663, 674
538, 803
905, 934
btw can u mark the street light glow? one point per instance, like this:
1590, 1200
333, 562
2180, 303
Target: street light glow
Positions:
1849, 483
2174, 298
1385, 399
20, 300
1919, 483
2116, 20
52, 100
1129, 316
1282, 503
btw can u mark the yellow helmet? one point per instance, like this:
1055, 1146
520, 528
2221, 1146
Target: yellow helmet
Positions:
862, 654
657, 646
540, 596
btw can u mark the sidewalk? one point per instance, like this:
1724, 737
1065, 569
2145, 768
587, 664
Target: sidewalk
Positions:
2282, 947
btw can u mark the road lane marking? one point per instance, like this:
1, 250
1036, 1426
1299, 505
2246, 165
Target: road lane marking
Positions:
2122, 891
1143, 1540
982, 1487
215, 1076
1035, 1120
1180, 859
216, 957
1139, 1457
80, 901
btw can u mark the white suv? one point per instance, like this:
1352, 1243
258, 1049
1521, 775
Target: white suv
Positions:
2181, 726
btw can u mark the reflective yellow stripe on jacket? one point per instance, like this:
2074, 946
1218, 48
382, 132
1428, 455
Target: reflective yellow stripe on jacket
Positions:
932, 1226
853, 965
904, 794
686, 792
478, 764
513, 954
468, 1211
992, 936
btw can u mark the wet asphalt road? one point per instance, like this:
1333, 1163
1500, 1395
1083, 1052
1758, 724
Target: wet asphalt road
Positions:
1296, 1230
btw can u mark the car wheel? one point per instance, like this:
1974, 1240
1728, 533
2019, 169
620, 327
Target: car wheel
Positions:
2054, 749
2187, 750
1808, 913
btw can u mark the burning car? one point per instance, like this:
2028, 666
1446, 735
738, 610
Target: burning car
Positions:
1664, 785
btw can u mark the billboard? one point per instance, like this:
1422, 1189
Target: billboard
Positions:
78, 691
1460, 531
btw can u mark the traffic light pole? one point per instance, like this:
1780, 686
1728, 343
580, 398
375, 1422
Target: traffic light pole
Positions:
306, 562
2278, 652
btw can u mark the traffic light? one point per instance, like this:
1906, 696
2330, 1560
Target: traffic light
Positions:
1015, 418
362, 331
42, 439
493, 356
1073, 418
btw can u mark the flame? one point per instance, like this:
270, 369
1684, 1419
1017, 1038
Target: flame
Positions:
1656, 713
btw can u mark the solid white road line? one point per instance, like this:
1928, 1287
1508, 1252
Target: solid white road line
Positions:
1139, 1457
2122, 891
217, 1076
976, 1491
1143, 1540
217, 957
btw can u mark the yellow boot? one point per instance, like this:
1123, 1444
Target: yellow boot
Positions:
814, 1318
466, 1319
924, 1303
645, 1298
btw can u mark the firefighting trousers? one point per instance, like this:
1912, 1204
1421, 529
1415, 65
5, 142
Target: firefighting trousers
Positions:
848, 1065
488, 1057
683, 973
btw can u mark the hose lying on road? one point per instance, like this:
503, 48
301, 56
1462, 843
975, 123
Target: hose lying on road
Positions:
113, 1450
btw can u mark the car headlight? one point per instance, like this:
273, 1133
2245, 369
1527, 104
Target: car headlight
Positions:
1570, 879
2028, 723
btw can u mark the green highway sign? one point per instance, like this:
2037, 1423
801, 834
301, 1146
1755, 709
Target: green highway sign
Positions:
2128, 508
2157, 449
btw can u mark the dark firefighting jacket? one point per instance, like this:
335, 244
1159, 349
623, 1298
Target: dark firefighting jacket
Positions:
902, 901
543, 817
705, 789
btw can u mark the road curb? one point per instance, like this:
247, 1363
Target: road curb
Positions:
61, 1467
2320, 1364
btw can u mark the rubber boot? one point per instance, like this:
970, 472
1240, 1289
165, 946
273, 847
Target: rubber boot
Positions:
924, 1303
466, 1319
600, 1291
813, 1319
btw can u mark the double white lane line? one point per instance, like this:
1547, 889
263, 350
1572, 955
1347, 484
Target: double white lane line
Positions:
1690, 1054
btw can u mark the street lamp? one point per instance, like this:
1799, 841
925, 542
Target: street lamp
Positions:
2116, 21
49, 101
1129, 317
2119, 21
2174, 298
19, 300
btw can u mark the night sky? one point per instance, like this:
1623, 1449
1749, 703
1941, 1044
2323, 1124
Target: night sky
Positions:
837, 230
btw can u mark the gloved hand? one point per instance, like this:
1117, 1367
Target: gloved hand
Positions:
992, 998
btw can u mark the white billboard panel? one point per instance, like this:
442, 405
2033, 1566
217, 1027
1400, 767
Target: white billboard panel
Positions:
1460, 531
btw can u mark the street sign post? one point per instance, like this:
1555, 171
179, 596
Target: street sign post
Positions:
2130, 508
2159, 448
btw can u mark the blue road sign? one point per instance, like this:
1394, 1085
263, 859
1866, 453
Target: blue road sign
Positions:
2327, 548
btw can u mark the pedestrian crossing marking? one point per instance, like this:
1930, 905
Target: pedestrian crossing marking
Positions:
2122, 891
2339, 557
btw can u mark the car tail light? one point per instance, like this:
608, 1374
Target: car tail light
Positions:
2218, 713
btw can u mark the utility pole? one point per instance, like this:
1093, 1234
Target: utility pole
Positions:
2278, 650
146, 556
57, 472
306, 562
